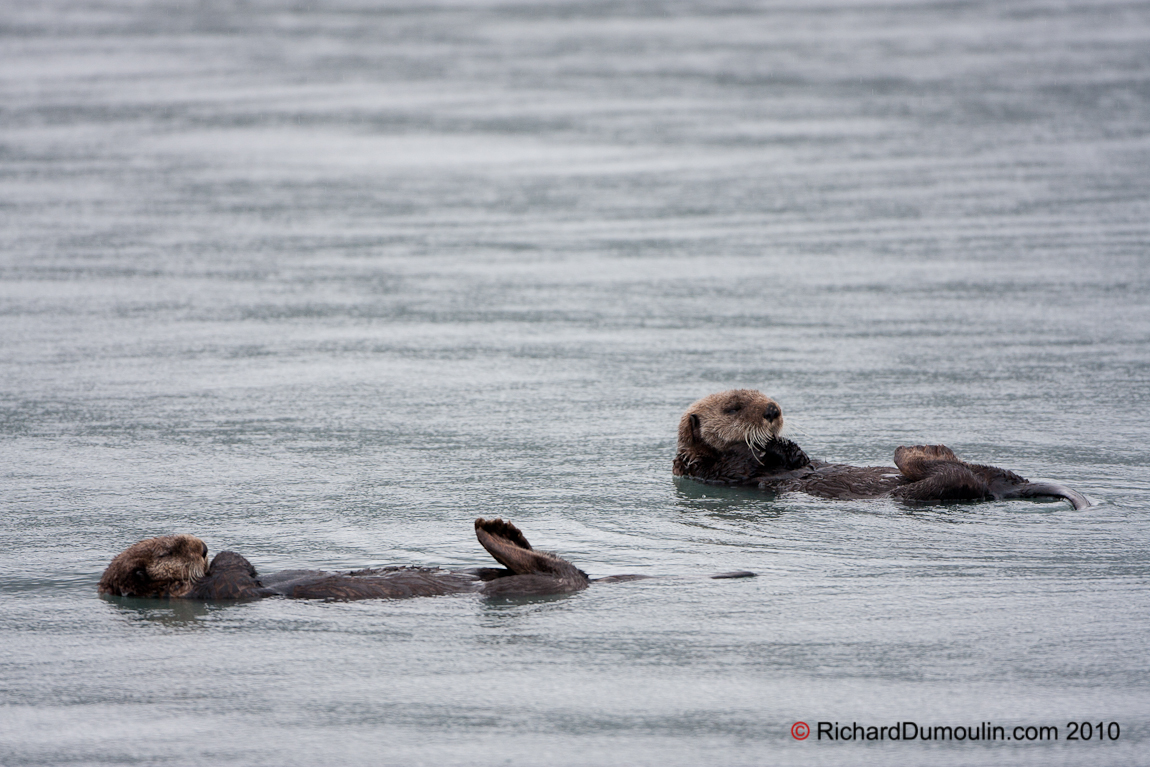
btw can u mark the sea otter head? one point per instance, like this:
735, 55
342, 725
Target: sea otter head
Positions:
167, 566
721, 435
731, 418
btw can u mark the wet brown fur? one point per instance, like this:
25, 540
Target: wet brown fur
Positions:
167, 566
733, 438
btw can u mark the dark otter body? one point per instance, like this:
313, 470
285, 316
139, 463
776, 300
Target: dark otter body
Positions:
178, 567
231, 576
178, 563
733, 438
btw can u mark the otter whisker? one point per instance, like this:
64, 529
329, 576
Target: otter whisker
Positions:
751, 446
761, 436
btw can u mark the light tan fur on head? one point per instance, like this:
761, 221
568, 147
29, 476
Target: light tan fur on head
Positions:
728, 418
167, 566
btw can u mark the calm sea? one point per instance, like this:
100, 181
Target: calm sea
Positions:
321, 282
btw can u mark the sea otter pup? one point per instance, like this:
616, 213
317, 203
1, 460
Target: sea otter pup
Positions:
733, 438
176, 566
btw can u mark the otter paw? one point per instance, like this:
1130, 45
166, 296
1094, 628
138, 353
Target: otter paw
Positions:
497, 528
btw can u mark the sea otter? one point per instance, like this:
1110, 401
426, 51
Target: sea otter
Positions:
177, 566
733, 438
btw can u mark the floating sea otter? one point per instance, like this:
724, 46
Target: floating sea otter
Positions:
732, 438
177, 566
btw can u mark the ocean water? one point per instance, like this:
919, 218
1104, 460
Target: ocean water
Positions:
323, 282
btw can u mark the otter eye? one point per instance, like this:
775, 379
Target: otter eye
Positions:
733, 409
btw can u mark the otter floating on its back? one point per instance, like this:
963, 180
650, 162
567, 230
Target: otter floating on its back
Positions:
733, 438
177, 566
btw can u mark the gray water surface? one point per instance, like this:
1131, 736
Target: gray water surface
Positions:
322, 283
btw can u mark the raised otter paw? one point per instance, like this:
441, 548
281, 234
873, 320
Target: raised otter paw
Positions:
510, 548
781, 454
497, 528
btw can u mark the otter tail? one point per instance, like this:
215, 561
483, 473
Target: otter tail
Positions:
1049, 490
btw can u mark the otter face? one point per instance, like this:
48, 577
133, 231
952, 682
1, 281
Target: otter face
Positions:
731, 418
167, 566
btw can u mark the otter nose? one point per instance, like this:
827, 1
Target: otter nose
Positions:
772, 412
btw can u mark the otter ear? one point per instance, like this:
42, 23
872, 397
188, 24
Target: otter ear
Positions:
688, 432
137, 583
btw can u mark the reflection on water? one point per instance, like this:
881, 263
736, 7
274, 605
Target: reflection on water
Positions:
321, 283
169, 613
507, 611
692, 492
